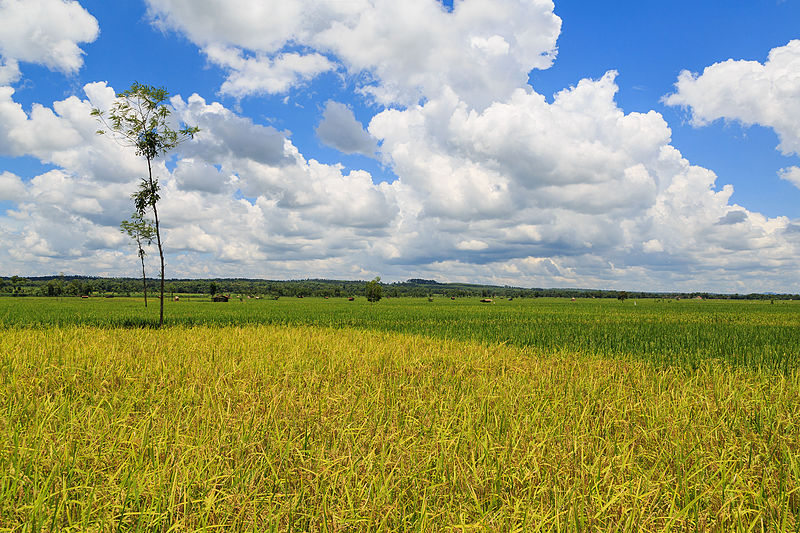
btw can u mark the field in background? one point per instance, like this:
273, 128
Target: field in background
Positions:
754, 334
328, 415
316, 429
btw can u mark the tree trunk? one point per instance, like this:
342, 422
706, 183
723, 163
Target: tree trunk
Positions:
160, 248
161, 255
144, 276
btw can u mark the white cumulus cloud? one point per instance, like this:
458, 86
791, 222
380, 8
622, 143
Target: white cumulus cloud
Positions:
339, 129
750, 92
264, 75
406, 51
46, 32
573, 193
12, 189
790, 174
240, 193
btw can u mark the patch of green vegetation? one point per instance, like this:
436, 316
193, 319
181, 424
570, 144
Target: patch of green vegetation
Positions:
754, 334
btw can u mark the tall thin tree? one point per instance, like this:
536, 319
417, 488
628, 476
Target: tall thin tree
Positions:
139, 118
142, 232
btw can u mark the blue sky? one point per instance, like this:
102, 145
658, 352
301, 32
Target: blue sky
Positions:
416, 140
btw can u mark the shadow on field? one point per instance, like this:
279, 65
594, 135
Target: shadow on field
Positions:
122, 323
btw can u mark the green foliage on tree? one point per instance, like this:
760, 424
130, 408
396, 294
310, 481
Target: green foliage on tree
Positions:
139, 118
212, 288
75, 287
374, 290
53, 288
143, 232
622, 296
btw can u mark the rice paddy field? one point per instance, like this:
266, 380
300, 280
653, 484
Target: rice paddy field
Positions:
403, 415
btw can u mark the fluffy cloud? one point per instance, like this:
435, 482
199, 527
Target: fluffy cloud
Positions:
264, 75
571, 193
749, 92
46, 32
339, 129
598, 193
483, 49
64, 135
192, 175
790, 174
11, 188
9, 71
225, 137
240, 193
65, 218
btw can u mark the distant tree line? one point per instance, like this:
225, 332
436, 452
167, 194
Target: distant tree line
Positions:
63, 285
